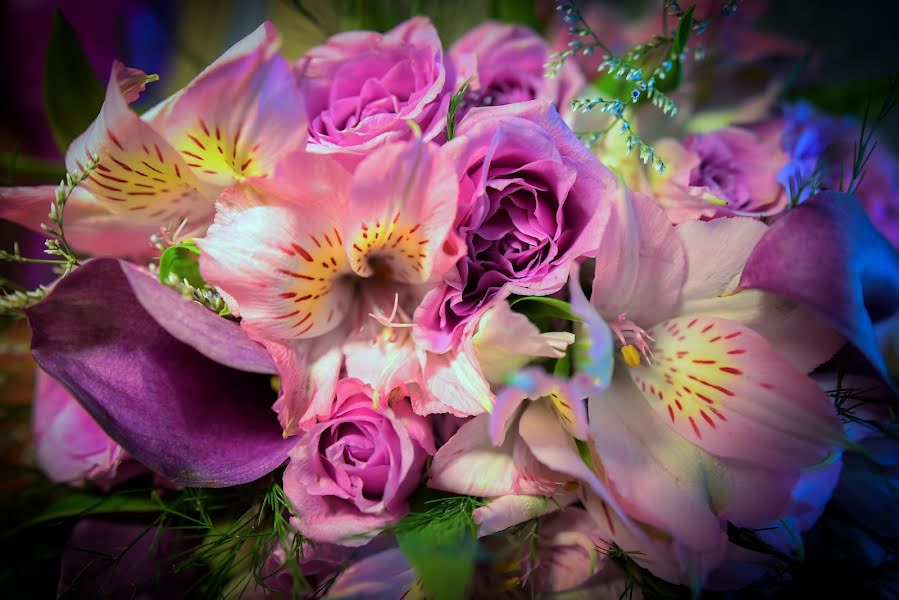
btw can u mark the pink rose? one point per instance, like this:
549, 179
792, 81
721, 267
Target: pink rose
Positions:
532, 200
724, 173
361, 87
350, 475
508, 61
71, 447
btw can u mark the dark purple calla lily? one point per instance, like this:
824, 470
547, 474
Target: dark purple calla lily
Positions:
826, 255
167, 379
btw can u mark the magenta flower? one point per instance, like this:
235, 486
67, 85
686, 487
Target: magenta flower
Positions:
361, 87
71, 447
508, 63
728, 172
351, 474
531, 201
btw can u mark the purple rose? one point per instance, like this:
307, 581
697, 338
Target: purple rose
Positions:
531, 201
723, 173
71, 447
350, 475
508, 61
361, 87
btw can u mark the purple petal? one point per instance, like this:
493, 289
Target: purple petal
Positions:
192, 420
826, 255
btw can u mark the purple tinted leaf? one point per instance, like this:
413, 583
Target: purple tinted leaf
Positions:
180, 413
826, 255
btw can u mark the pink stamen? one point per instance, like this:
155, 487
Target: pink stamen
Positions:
629, 333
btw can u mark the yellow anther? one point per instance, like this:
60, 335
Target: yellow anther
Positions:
508, 584
510, 565
275, 383
630, 355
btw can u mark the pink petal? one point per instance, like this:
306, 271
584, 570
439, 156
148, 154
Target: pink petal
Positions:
285, 269
140, 175
640, 264
725, 389
455, 385
402, 206
800, 336
470, 464
262, 120
553, 446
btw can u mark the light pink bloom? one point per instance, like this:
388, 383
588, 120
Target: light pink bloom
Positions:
350, 474
71, 447
169, 164
361, 87
508, 62
717, 416
727, 172
332, 254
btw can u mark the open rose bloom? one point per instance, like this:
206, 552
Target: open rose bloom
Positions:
385, 298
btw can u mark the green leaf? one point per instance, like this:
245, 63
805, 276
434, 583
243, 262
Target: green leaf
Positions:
81, 504
180, 261
516, 11
72, 92
684, 27
455, 101
543, 307
439, 540
20, 166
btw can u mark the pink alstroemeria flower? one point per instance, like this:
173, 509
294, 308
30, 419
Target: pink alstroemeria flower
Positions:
335, 256
169, 165
710, 417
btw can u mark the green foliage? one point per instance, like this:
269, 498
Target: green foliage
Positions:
20, 166
682, 33
439, 538
455, 101
516, 11
180, 262
541, 308
72, 92
83, 504
865, 146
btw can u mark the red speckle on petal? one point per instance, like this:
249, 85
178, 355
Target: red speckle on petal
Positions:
692, 323
695, 428
671, 413
731, 370
731, 336
302, 251
739, 351
707, 327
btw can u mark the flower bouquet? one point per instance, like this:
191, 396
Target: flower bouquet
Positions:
511, 316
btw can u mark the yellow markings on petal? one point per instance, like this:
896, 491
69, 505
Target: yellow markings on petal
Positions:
142, 179
631, 355
692, 379
213, 151
310, 305
394, 250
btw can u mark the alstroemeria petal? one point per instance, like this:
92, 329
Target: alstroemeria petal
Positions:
826, 255
386, 574
470, 464
553, 446
799, 335
640, 264
725, 389
185, 416
402, 205
90, 226
455, 384
140, 175
243, 137
284, 267
657, 474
